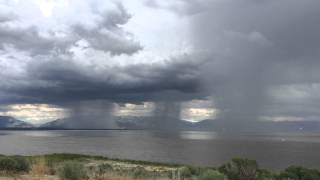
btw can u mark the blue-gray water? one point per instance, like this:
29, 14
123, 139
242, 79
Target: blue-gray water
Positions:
197, 148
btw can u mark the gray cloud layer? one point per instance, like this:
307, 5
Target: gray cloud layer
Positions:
257, 58
52, 73
108, 35
257, 47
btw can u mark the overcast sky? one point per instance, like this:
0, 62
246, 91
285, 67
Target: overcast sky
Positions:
240, 61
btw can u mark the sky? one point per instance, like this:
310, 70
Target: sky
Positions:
240, 61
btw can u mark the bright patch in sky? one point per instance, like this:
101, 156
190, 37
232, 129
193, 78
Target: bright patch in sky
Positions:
47, 6
198, 114
191, 111
40, 113
128, 109
34, 113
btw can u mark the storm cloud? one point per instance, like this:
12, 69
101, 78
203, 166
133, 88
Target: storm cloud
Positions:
53, 68
259, 47
256, 60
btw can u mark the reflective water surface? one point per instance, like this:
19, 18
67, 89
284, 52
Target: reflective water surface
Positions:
197, 148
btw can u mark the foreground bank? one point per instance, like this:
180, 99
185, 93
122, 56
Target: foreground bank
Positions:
83, 167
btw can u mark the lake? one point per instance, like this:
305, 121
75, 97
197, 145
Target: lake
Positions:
272, 151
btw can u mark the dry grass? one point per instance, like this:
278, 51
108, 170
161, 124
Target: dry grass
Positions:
40, 167
110, 177
121, 177
102, 177
39, 177
48, 168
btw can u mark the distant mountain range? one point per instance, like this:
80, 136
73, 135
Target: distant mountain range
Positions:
56, 124
122, 122
218, 125
134, 122
7, 122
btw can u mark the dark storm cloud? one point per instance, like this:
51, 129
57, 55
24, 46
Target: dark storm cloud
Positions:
258, 46
257, 58
60, 80
50, 73
90, 114
166, 115
30, 40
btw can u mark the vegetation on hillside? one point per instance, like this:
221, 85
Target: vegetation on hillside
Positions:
83, 167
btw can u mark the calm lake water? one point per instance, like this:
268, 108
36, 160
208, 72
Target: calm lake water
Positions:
198, 148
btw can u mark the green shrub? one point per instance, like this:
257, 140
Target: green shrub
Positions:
212, 175
15, 163
185, 172
266, 175
240, 169
22, 164
140, 172
60, 158
299, 173
196, 170
103, 168
72, 171
7, 164
189, 171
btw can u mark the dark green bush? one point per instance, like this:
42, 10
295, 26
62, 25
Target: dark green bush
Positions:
189, 171
266, 175
72, 171
104, 168
185, 172
140, 172
7, 164
22, 164
60, 158
212, 175
15, 163
240, 169
299, 173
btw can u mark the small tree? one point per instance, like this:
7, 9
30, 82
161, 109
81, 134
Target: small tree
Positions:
241, 169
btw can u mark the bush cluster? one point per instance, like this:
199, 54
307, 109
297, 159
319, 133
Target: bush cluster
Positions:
72, 170
190, 172
299, 173
245, 169
14, 163
212, 175
241, 169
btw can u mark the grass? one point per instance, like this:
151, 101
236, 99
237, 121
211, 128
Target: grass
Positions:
84, 167
40, 166
78, 167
